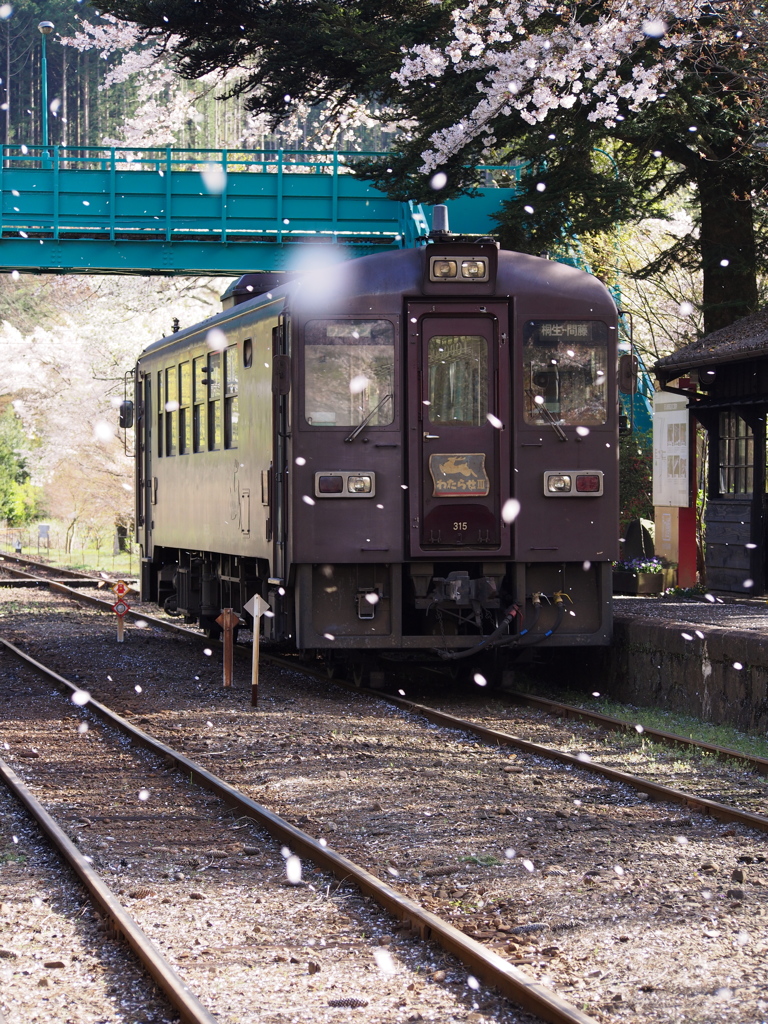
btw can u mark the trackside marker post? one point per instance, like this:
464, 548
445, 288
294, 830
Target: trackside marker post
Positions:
228, 620
121, 609
256, 607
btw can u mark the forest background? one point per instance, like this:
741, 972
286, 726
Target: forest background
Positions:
67, 342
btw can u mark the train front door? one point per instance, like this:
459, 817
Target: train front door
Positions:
460, 416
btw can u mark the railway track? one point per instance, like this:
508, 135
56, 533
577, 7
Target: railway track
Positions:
109, 910
18, 571
686, 835
483, 963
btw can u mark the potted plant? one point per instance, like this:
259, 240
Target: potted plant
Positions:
644, 575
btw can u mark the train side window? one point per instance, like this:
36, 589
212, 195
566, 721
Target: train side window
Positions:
160, 414
565, 372
214, 401
458, 380
349, 372
171, 410
230, 397
200, 407
248, 353
185, 400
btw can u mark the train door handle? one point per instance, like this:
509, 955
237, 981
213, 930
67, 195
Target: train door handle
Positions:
431, 437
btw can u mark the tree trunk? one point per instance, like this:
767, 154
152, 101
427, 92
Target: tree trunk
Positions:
728, 256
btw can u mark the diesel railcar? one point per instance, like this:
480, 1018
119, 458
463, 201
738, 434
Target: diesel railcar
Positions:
414, 452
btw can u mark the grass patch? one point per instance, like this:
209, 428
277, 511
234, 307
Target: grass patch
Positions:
86, 559
671, 721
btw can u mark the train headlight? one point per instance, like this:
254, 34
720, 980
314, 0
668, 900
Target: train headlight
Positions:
576, 483
558, 483
475, 270
443, 270
359, 484
344, 483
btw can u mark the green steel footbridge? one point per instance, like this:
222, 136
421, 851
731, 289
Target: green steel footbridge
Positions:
72, 209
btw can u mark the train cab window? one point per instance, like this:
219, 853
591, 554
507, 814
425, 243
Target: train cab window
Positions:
160, 414
565, 372
214, 401
349, 372
230, 397
458, 380
185, 401
200, 406
171, 410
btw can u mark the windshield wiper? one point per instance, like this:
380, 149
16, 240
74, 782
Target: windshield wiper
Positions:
549, 417
364, 423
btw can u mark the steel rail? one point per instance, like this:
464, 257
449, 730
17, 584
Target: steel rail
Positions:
178, 994
758, 764
721, 812
524, 991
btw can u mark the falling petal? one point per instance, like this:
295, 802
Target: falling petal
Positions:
473, 983
438, 181
510, 510
293, 870
301, 461
480, 679
528, 865
216, 340
80, 697
358, 384
137, 689
654, 27
214, 178
384, 960
639, 728
143, 794
307, 500
494, 421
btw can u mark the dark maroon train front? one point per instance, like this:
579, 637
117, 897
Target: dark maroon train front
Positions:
413, 451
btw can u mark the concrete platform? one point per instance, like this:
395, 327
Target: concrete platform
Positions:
704, 658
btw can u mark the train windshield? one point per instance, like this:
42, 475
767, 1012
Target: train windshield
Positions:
458, 380
565, 367
349, 372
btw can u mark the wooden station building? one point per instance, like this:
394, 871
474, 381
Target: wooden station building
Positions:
725, 377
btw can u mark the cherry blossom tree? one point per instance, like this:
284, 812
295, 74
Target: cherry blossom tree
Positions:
673, 89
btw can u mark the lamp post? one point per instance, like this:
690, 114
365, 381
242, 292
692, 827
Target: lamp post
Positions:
45, 27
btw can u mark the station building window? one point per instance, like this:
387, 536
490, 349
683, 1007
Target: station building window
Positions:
736, 455
200, 404
230, 397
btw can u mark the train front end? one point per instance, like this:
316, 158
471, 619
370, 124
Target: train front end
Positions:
450, 455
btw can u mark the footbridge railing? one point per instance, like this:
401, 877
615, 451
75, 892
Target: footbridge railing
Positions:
175, 211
